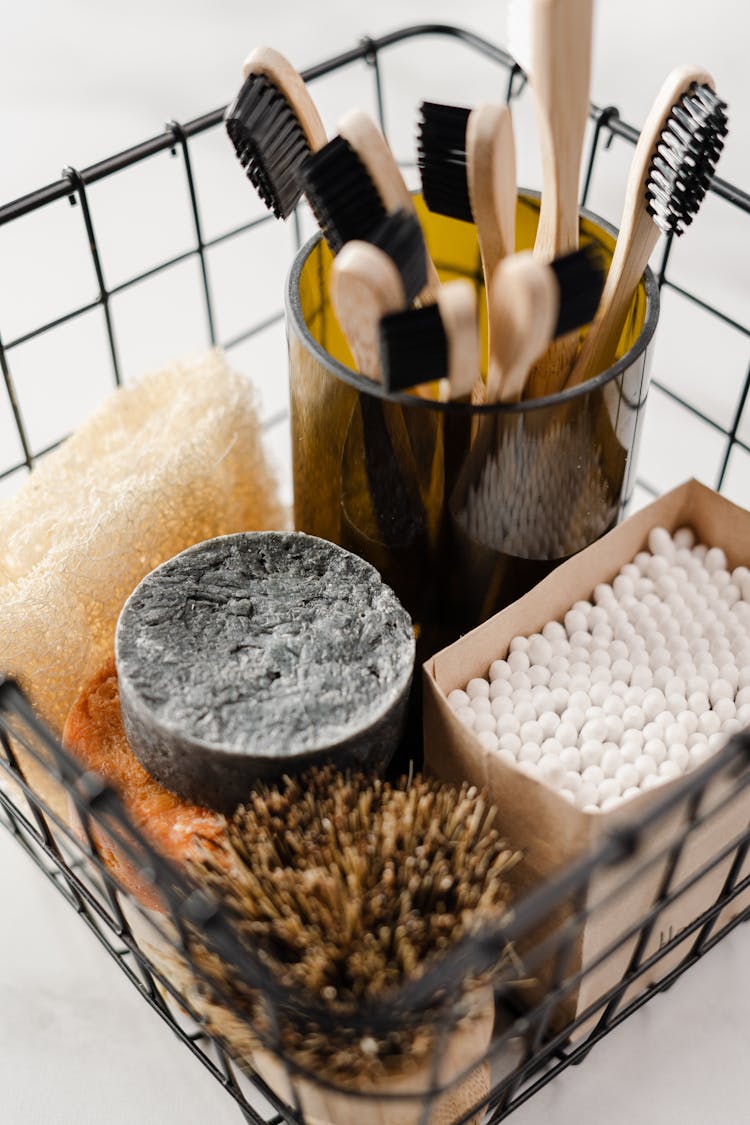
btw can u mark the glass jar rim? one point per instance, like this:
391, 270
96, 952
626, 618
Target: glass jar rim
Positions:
295, 316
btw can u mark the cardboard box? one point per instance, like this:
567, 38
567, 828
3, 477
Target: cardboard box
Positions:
549, 829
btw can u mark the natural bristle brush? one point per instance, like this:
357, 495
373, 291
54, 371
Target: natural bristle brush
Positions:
274, 126
468, 168
551, 40
437, 342
354, 182
672, 166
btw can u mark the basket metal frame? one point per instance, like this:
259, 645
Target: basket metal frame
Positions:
71, 860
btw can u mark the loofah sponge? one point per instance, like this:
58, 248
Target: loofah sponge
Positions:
161, 464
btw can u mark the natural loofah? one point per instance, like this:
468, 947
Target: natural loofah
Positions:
161, 464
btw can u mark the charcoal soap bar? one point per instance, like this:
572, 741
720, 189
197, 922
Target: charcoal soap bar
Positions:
257, 654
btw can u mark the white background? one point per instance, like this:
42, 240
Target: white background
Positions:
80, 79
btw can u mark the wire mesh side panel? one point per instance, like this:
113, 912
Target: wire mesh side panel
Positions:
190, 251
574, 959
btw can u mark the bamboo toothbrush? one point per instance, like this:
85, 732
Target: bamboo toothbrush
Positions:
274, 125
674, 160
551, 40
339, 182
468, 168
534, 303
437, 342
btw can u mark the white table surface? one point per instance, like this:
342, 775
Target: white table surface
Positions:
81, 80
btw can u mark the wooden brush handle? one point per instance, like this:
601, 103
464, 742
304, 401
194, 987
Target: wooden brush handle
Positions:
525, 300
365, 286
638, 234
560, 78
374, 151
280, 72
457, 302
491, 176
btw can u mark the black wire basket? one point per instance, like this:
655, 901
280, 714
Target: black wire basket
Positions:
531, 1042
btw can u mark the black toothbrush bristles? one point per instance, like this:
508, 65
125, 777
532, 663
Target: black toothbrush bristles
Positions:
413, 348
685, 158
341, 193
269, 141
580, 278
400, 236
441, 156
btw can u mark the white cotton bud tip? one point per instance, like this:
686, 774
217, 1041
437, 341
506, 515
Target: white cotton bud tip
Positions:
466, 716
660, 542
554, 631
645, 765
501, 706
575, 621
680, 755
683, 538
633, 718
699, 754
726, 710
633, 791
539, 650
695, 739
478, 688
627, 775
715, 560
611, 761
572, 780
566, 734
642, 676
532, 731
485, 722
743, 695
609, 787
610, 804
654, 701
551, 748
550, 769
634, 696
568, 794
700, 550
500, 670
559, 699
539, 675
698, 702
709, 723
716, 741
488, 739
510, 742
630, 751
594, 730
598, 692
458, 699
508, 724
549, 722
529, 752
587, 794
652, 782
481, 705
720, 689
519, 682
570, 758
669, 771
574, 717
524, 710
689, 720
743, 714
500, 688
662, 677
675, 733
591, 753
530, 768
613, 705
518, 661
518, 644
593, 774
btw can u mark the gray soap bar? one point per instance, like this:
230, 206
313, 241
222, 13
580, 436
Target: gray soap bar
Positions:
256, 654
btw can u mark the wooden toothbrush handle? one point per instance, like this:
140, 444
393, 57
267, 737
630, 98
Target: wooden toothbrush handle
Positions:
281, 73
630, 260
